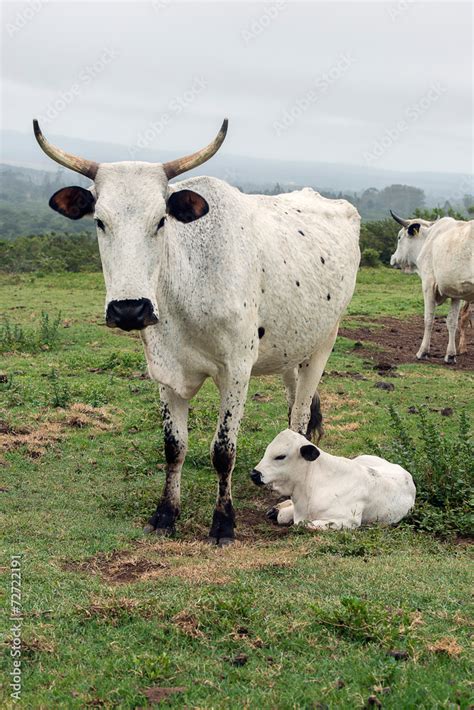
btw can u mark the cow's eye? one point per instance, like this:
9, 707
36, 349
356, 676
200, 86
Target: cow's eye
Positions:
280, 458
100, 224
161, 224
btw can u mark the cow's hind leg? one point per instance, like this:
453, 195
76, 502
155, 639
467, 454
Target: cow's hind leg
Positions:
306, 415
452, 326
290, 378
175, 428
233, 387
464, 322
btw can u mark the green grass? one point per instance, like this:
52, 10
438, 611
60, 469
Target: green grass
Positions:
281, 621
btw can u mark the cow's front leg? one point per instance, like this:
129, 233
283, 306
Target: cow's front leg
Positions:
233, 391
430, 305
175, 428
452, 326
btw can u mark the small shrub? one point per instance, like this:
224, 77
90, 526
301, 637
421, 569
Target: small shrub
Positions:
12, 337
370, 257
60, 395
49, 330
16, 338
363, 621
123, 363
442, 467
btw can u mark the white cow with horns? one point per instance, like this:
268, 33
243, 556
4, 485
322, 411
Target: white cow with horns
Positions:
442, 254
220, 284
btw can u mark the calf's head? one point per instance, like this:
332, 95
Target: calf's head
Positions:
132, 205
285, 462
411, 238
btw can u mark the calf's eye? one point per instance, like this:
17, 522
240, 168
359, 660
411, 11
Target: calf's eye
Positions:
100, 224
280, 458
161, 223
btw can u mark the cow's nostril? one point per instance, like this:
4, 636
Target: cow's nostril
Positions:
130, 314
256, 477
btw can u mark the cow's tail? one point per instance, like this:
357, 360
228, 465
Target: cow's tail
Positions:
315, 428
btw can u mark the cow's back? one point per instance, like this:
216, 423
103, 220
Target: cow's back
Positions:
449, 252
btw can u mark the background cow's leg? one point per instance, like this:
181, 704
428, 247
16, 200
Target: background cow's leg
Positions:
464, 322
306, 413
233, 390
430, 305
452, 326
175, 428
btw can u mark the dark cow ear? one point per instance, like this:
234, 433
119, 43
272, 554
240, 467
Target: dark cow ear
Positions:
186, 206
309, 452
413, 229
73, 202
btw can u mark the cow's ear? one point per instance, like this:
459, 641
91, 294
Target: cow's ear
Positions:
309, 452
73, 202
186, 206
413, 229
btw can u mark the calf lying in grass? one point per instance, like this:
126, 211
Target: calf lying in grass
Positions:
330, 491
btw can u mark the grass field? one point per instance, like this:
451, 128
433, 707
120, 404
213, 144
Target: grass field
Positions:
284, 619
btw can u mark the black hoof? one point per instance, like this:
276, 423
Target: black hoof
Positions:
163, 520
222, 528
450, 360
423, 356
272, 514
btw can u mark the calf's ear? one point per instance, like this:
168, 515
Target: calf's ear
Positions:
73, 202
413, 229
309, 452
186, 206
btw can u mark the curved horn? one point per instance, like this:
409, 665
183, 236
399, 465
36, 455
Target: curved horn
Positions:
80, 165
181, 165
403, 222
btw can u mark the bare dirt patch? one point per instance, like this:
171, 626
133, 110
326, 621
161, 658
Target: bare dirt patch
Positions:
399, 340
194, 562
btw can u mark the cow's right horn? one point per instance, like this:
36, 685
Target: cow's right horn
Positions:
80, 165
182, 165
403, 222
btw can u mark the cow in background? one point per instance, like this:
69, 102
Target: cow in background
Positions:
442, 254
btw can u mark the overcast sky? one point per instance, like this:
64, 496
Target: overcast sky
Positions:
386, 84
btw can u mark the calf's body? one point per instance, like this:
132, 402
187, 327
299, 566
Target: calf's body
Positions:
331, 491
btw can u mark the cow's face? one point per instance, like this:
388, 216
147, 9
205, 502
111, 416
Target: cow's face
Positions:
410, 242
286, 462
133, 207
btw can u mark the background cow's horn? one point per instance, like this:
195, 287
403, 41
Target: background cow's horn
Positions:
80, 165
403, 222
182, 165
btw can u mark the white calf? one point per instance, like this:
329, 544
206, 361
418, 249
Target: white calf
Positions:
330, 491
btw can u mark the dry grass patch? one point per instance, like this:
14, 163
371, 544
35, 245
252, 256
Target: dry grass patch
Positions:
193, 562
111, 610
35, 440
81, 415
188, 624
48, 428
447, 645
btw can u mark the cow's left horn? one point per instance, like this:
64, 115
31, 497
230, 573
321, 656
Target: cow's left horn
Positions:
403, 222
182, 165
80, 165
